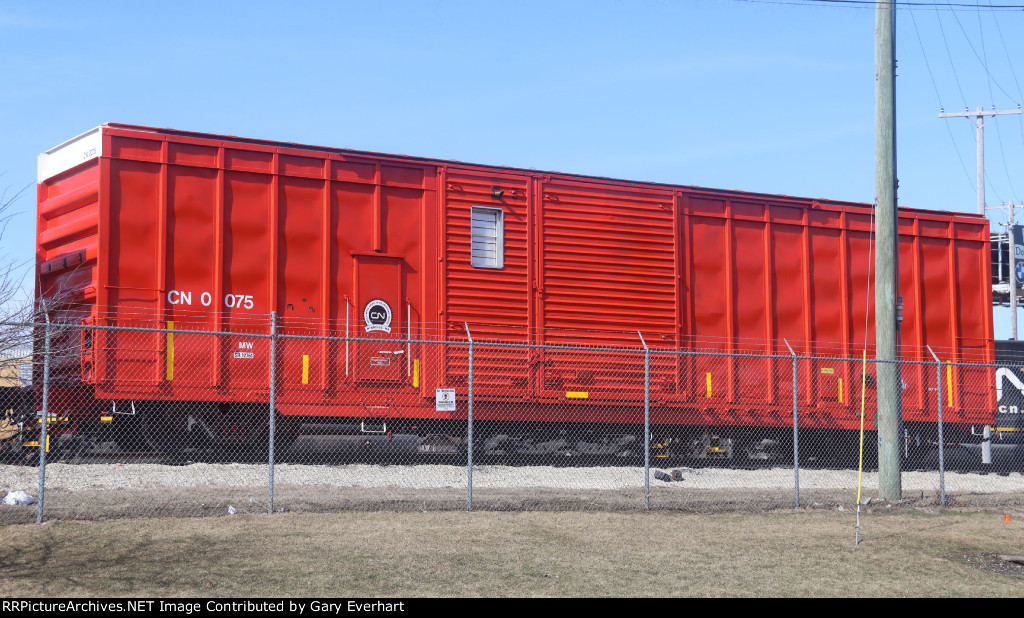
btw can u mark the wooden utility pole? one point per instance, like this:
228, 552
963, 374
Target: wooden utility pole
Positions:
888, 414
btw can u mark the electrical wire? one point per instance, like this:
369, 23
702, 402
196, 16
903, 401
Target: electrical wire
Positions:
938, 98
1020, 98
949, 54
981, 61
900, 4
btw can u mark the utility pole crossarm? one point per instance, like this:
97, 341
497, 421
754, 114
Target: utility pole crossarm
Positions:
979, 115
980, 112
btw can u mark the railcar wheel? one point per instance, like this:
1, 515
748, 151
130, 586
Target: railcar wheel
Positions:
129, 433
171, 430
254, 444
286, 432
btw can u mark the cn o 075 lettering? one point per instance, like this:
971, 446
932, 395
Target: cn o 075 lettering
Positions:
231, 301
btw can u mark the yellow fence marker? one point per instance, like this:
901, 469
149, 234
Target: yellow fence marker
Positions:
305, 369
860, 464
949, 383
35, 443
170, 350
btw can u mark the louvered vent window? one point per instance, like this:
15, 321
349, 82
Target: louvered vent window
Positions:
488, 242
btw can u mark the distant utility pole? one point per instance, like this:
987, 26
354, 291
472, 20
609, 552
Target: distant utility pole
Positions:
1012, 238
979, 122
1013, 277
888, 414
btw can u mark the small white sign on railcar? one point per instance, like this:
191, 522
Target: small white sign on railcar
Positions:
445, 400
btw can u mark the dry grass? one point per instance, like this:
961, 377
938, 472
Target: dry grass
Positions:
214, 501
906, 551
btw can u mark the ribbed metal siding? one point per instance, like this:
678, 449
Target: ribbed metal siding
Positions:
485, 295
495, 300
608, 261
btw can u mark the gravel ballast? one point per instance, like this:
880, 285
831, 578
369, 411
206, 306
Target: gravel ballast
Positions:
83, 477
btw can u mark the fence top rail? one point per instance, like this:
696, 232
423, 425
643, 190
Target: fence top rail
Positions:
516, 345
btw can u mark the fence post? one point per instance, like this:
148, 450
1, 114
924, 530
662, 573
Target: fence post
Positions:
942, 438
273, 409
647, 423
44, 435
796, 433
469, 421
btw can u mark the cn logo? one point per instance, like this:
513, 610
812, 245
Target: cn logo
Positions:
1007, 374
377, 315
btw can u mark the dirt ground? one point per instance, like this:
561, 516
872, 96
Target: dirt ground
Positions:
100, 504
905, 550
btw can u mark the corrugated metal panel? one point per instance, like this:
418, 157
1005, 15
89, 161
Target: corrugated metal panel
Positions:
496, 301
608, 261
486, 296
68, 235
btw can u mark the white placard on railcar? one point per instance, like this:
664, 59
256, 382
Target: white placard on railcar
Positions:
445, 400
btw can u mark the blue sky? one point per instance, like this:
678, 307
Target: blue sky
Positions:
768, 96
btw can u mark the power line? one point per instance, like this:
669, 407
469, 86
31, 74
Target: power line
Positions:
938, 98
983, 60
898, 3
949, 54
984, 65
1013, 72
984, 55
1006, 168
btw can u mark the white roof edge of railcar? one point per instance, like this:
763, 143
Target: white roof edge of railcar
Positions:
70, 154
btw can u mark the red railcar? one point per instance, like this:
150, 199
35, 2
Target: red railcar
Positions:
180, 231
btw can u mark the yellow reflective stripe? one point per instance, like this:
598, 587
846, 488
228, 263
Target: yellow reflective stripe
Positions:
54, 419
709, 384
840, 390
949, 383
170, 351
305, 369
576, 395
416, 373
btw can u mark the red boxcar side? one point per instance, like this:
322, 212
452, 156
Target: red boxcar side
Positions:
191, 231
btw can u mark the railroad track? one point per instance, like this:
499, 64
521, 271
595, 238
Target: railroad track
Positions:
347, 449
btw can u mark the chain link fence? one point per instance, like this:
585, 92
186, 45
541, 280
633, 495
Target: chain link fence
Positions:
142, 418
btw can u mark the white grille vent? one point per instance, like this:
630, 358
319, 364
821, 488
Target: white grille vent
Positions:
488, 237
